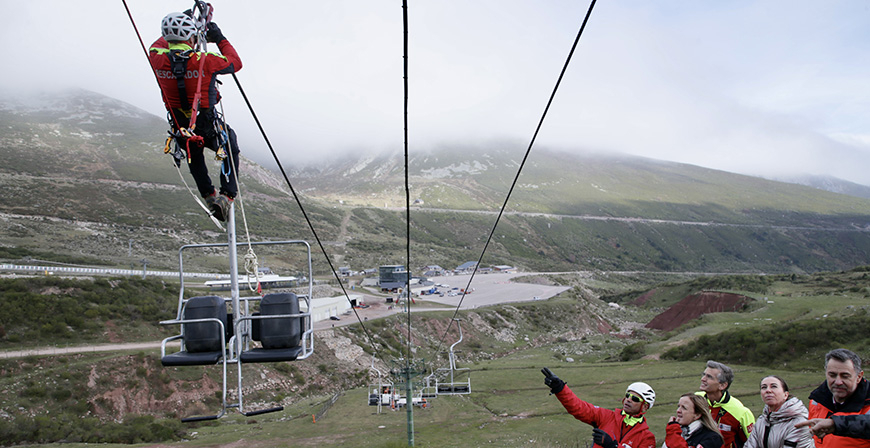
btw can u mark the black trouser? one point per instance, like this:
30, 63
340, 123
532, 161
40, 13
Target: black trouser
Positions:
198, 167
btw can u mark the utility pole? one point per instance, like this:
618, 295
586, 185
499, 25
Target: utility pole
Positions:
409, 403
144, 262
406, 370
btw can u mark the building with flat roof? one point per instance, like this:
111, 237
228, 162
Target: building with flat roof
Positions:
392, 277
325, 307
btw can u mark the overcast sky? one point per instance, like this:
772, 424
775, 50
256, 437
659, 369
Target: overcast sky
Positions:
758, 87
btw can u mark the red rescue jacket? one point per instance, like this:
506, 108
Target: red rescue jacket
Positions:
822, 406
609, 420
735, 420
215, 64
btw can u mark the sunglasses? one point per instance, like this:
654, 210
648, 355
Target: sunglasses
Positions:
633, 397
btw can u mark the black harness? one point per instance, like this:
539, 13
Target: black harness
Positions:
178, 60
209, 122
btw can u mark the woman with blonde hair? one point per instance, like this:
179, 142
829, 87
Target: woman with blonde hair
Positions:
692, 426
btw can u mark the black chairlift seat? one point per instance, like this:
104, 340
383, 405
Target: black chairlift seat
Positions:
280, 336
203, 340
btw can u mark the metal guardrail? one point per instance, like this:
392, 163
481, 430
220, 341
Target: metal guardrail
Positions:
43, 269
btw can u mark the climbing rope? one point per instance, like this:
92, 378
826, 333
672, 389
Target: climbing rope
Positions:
307, 218
197, 199
251, 262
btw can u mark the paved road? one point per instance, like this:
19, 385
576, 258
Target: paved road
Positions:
43, 351
489, 289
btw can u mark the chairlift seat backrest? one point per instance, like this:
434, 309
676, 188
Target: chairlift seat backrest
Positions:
203, 341
283, 332
279, 337
204, 336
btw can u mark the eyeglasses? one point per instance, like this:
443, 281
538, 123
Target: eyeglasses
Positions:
633, 397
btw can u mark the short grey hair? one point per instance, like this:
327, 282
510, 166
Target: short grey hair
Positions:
726, 375
843, 355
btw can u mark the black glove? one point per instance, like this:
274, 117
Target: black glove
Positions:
213, 33
552, 381
602, 438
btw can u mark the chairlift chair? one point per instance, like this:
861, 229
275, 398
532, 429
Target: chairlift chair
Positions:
382, 393
210, 335
203, 340
453, 387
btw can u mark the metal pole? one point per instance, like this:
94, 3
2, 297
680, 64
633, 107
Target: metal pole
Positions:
409, 404
234, 280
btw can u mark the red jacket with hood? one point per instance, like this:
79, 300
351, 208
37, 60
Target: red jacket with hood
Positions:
609, 420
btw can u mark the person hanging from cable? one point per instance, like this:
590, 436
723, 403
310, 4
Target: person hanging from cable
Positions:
188, 81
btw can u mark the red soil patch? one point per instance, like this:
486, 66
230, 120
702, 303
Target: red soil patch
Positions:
696, 305
640, 301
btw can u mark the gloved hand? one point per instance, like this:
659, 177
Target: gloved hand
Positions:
552, 381
213, 33
603, 439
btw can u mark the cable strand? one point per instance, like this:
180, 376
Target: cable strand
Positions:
519, 170
304, 213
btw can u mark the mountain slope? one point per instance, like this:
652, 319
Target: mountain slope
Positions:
87, 175
87, 178
831, 184
570, 184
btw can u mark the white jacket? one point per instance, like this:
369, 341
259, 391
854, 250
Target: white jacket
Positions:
776, 429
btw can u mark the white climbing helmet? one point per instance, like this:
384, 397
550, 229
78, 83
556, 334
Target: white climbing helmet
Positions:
646, 392
178, 27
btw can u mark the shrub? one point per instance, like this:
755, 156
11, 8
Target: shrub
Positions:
632, 351
795, 345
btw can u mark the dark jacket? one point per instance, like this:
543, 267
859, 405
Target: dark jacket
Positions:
856, 426
692, 436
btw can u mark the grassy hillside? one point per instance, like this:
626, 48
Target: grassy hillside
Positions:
577, 335
594, 212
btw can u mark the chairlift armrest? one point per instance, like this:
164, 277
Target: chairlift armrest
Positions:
163, 344
171, 322
269, 316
